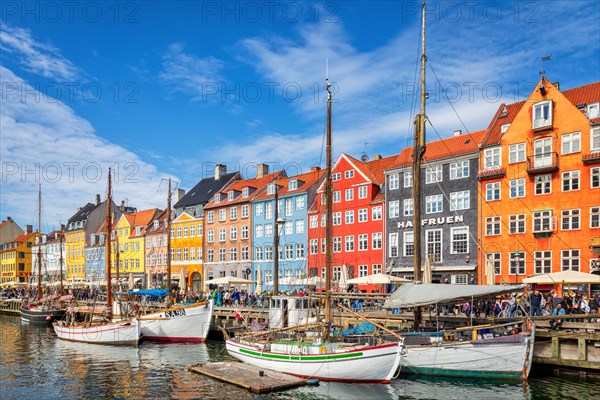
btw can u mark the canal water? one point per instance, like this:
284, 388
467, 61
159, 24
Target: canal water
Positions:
34, 364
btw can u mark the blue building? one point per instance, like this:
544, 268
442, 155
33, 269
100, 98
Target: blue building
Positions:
295, 196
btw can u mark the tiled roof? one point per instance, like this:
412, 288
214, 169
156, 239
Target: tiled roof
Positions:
377, 168
584, 94
82, 214
24, 237
141, 218
238, 186
204, 190
308, 179
161, 217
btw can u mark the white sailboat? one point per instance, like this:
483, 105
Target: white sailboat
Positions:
91, 324
310, 351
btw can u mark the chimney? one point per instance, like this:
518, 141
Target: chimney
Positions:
220, 170
556, 85
377, 157
457, 132
97, 199
122, 206
62, 227
178, 194
262, 170
315, 168
28, 229
9, 219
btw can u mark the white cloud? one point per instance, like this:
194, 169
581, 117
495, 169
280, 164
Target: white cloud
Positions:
47, 142
39, 58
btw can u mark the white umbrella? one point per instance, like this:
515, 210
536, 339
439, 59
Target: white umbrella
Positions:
258, 289
377, 279
182, 279
427, 271
130, 283
343, 282
490, 271
313, 281
228, 280
568, 276
287, 281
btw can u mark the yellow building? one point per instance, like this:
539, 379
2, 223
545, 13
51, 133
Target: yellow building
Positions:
15, 258
128, 237
186, 250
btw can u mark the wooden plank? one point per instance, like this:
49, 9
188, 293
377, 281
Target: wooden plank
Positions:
567, 363
582, 349
257, 380
555, 347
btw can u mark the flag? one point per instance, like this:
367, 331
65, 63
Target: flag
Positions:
238, 315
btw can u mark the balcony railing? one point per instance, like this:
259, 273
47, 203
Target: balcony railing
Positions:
491, 173
542, 163
542, 124
591, 158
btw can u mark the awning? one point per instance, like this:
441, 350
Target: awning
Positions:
420, 294
568, 276
438, 268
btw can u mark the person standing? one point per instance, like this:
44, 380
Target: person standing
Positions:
535, 301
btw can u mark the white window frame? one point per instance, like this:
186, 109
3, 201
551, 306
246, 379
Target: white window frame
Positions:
337, 196
516, 188
394, 182
595, 217
259, 209
459, 169
349, 194
363, 215
539, 118
408, 209
362, 192
377, 213
314, 221
336, 176
543, 184
542, 261
433, 173
393, 244
570, 259
460, 200
542, 221
394, 209
516, 263
363, 242
570, 181
408, 244
457, 240
349, 243
434, 204
593, 110
493, 225
336, 218
492, 191
497, 260
376, 241
571, 143
517, 223
348, 174
408, 179
492, 158
595, 178
516, 153
570, 220
433, 245
349, 217
595, 139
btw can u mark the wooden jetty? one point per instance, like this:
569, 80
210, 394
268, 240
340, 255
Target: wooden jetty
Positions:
10, 306
257, 380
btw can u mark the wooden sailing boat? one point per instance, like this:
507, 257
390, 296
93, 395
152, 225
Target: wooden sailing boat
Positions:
95, 324
178, 323
480, 354
43, 310
309, 351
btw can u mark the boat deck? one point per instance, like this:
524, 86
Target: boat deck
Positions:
257, 380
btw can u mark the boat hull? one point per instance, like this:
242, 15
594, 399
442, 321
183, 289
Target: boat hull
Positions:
182, 324
124, 332
39, 315
376, 364
478, 359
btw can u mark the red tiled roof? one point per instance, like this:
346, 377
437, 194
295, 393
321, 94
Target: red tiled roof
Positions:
257, 183
308, 179
374, 169
160, 216
584, 94
24, 237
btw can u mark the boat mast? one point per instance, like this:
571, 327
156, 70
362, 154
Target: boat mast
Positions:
169, 238
108, 245
39, 247
328, 214
276, 242
418, 152
60, 260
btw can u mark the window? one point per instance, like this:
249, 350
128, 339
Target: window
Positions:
459, 169
293, 184
337, 218
268, 253
210, 255
349, 240
433, 174
542, 221
245, 232
222, 234
363, 270
349, 217
543, 184
377, 240
433, 204
314, 246
595, 140
289, 251
593, 110
377, 269
542, 152
268, 230
233, 233
222, 215
363, 215
222, 255
460, 240
245, 192
299, 250
349, 194
569, 219
543, 261
496, 259
516, 262
570, 181
433, 240
289, 227
192, 230
394, 181
259, 231
299, 226
336, 177
233, 213
571, 143
337, 196
595, 178
363, 242
408, 207
259, 209
323, 245
394, 209
492, 226
268, 210
516, 223
517, 188
393, 245
245, 253
504, 128
314, 221
362, 192
289, 206
349, 174
492, 158
595, 217
376, 213
178, 232
408, 179
542, 114
271, 188
300, 203
492, 191
569, 259
459, 279
337, 244
516, 153
460, 200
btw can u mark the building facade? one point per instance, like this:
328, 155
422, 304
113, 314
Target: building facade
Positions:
15, 257
155, 237
186, 250
51, 254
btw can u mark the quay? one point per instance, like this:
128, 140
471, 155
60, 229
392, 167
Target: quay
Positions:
257, 380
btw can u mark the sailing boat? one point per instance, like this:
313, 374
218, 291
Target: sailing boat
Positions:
92, 324
42, 310
309, 351
180, 323
481, 354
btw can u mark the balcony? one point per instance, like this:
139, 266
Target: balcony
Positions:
542, 125
591, 158
542, 163
491, 173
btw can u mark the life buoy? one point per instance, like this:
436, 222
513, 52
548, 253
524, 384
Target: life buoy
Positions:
323, 349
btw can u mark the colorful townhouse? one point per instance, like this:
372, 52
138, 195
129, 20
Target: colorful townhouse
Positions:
15, 257
9, 230
155, 250
358, 221
95, 259
128, 256
49, 247
228, 220
295, 196
448, 210
540, 183
187, 228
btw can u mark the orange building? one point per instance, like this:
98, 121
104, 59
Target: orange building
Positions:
540, 183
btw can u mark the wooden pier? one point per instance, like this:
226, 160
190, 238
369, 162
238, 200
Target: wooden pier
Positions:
10, 306
257, 380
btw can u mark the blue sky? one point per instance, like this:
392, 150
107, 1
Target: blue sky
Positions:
166, 89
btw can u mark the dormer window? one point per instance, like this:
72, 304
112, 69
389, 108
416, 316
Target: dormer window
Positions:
230, 195
593, 110
245, 192
293, 184
542, 115
218, 198
156, 224
92, 240
138, 230
271, 188
504, 128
